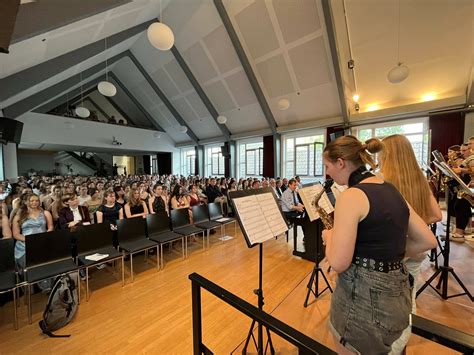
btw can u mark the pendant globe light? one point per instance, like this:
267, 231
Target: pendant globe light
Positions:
183, 129
106, 88
82, 111
221, 119
160, 35
400, 72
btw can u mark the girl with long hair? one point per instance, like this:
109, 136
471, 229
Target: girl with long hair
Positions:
135, 207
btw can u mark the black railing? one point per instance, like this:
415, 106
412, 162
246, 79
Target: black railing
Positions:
305, 344
443, 335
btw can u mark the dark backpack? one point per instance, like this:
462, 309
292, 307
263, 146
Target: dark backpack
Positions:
61, 307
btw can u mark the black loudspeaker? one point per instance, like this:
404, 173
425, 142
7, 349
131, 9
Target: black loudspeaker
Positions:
8, 13
225, 151
10, 130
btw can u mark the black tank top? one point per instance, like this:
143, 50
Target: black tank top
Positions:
159, 204
382, 234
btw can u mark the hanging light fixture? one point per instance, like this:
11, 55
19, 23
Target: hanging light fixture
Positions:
221, 119
283, 104
82, 111
160, 35
400, 72
106, 88
183, 129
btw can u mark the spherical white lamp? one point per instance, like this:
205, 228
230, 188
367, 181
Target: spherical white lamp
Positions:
283, 104
107, 88
83, 112
221, 119
398, 74
160, 36
183, 129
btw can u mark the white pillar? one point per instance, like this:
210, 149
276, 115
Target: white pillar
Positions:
10, 162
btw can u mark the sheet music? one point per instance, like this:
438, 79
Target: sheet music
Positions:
307, 194
251, 216
272, 214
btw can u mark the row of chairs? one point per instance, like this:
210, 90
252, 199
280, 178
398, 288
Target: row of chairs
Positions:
56, 253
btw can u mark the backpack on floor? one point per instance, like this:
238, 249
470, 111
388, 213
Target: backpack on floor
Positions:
61, 307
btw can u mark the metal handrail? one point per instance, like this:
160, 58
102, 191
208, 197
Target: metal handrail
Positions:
305, 344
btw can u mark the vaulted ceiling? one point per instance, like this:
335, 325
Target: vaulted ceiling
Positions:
239, 59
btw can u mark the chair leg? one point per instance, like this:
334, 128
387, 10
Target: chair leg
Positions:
158, 257
184, 247
222, 232
131, 266
14, 309
87, 284
123, 271
161, 257
29, 303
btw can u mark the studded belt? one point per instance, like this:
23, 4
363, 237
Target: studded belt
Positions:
375, 265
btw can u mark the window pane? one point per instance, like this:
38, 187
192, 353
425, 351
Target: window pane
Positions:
413, 128
215, 164
318, 169
388, 131
302, 160
290, 146
365, 134
221, 164
250, 162
260, 159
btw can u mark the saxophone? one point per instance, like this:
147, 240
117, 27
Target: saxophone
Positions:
326, 218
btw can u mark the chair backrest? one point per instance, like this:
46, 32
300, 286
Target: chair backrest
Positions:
180, 218
200, 214
157, 223
215, 211
47, 247
7, 258
93, 237
130, 229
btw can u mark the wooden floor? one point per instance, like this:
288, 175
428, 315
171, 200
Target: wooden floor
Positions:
153, 315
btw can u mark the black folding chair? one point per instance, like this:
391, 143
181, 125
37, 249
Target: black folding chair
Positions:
96, 239
158, 229
8, 276
215, 215
132, 239
182, 225
47, 255
202, 220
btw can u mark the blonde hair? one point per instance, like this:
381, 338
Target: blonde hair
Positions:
400, 168
349, 148
131, 200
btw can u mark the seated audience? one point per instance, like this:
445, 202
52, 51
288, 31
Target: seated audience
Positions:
158, 202
135, 207
72, 214
110, 211
94, 203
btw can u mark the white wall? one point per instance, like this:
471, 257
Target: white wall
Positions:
10, 161
45, 162
48, 129
468, 126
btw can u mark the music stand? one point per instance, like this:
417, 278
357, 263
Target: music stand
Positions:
444, 270
307, 195
260, 219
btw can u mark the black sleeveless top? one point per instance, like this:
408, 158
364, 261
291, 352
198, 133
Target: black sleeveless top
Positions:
382, 234
159, 205
110, 214
136, 209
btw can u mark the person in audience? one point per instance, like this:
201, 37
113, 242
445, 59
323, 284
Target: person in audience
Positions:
284, 184
274, 187
193, 198
290, 204
73, 214
30, 219
6, 231
94, 203
215, 195
83, 196
366, 248
278, 189
135, 207
158, 203
255, 184
399, 167
298, 182
55, 195
178, 198
119, 195
110, 211
17, 201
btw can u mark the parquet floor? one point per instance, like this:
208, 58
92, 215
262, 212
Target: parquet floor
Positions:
153, 314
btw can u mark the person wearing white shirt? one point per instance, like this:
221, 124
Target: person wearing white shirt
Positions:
290, 203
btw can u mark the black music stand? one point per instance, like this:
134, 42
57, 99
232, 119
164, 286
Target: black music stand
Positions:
444, 270
262, 210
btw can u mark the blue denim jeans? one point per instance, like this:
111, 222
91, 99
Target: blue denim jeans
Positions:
370, 309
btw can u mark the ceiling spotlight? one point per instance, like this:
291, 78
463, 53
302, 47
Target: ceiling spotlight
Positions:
356, 98
82, 112
373, 107
160, 36
283, 104
106, 88
183, 129
221, 119
398, 74
350, 64
357, 107
429, 97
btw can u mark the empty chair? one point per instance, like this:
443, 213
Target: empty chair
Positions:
201, 220
182, 225
95, 239
8, 277
215, 215
158, 229
132, 238
47, 255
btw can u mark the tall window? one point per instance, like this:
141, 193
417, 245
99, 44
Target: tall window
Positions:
303, 156
250, 159
188, 161
214, 162
415, 130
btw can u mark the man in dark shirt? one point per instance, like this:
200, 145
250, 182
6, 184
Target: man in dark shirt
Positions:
215, 195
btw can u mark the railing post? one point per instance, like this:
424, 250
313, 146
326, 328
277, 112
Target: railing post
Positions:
197, 320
